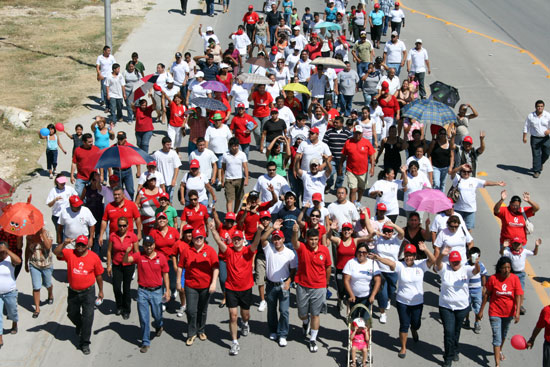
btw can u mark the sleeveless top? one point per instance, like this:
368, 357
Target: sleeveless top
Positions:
94, 201
344, 254
52, 144
414, 241
441, 158
101, 140
392, 157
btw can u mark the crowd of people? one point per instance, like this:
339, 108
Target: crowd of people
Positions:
281, 234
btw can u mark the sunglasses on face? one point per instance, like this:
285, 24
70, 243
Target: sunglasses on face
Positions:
362, 252
193, 199
315, 216
122, 226
314, 165
453, 226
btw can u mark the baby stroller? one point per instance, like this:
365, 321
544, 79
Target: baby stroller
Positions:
354, 321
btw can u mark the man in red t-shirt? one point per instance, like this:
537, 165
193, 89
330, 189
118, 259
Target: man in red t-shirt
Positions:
250, 19
357, 153
263, 103
84, 269
239, 283
120, 207
314, 268
542, 323
144, 123
240, 125
83, 163
249, 217
513, 217
152, 269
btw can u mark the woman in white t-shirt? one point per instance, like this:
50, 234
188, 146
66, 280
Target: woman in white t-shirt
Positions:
195, 180
385, 190
424, 164
454, 237
416, 181
454, 298
361, 278
468, 185
410, 290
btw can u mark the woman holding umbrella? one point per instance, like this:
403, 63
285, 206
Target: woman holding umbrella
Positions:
39, 262
225, 77
176, 120
416, 181
148, 201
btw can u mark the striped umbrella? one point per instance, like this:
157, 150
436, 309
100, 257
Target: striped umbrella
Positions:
429, 111
120, 156
148, 83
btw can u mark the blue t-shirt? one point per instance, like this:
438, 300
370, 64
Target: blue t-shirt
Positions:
376, 17
307, 19
331, 14
287, 7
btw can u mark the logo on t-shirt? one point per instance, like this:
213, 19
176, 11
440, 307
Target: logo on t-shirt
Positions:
204, 254
320, 257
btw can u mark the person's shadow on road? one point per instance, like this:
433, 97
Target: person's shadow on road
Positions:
58, 331
516, 169
127, 332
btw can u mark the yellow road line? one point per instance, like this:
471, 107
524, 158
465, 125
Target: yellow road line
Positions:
535, 59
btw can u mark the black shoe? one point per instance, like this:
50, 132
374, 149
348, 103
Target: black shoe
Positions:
85, 349
158, 332
125, 316
415, 335
522, 310
118, 312
455, 358
305, 327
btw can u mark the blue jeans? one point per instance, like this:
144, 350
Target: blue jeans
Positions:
79, 185
360, 312
145, 300
452, 324
440, 175
126, 180
500, 326
521, 276
345, 104
339, 179
540, 150
246, 149
142, 140
272, 29
258, 131
419, 77
115, 104
396, 26
475, 299
169, 191
396, 66
223, 275
210, 7
469, 218
277, 325
388, 290
362, 68
386, 23
409, 316
80, 310
129, 105
367, 98
103, 91
9, 300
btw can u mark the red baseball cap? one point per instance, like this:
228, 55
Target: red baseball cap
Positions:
313, 35
75, 201
517, 240
468, 139
264, 214
381, 206
274, 110
377, 5
187, 227
152, 163
347, 225
199, 233
164, 195
162, 215
114, 178
397, 3
317, 197
455, 256
194, 164
386, 227
82, 239
410, 248
237, 234
274, 50
314, 130
250, 6
385, 85
230, 216
241, 105
278, 233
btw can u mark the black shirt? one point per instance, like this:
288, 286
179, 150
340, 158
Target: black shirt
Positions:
210, 72
273, 18
289, 217
274, 129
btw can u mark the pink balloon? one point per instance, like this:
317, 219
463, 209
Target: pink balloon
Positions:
518, 342
59, 126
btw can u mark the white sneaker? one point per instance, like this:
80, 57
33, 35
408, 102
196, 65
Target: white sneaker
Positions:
163, 307
273, 336
262, 306
181, 311
282, 342
383, 318
388, 306
234, 349
245, 329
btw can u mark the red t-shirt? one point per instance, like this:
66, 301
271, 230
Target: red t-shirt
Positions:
251, 221
261, 104
251, 17
390, 107
120, 246
312, 266
513, 225
502, 294
144, 119
128, 209
332, 113
82, 270
195, 218
238, 126
228, 81
150, 270
166, 243
239, 269
295, 106
84, 163
314, 51
226, 234
344, 254
322, 231
358, 153
179, 248
199, 266
177, 114
544, 322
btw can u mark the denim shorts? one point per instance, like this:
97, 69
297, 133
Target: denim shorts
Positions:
41, 277
260, 40
469, 218
500, 327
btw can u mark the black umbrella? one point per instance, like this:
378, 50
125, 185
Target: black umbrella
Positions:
209, 103
444, 93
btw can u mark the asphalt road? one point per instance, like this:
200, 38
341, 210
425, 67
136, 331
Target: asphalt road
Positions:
498, 80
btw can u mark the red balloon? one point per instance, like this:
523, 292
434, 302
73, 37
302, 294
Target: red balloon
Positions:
59, 126
518, 342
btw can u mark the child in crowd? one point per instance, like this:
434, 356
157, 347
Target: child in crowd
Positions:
476, 287
51, 149
76, 137
307, 20
359, 340
294, 17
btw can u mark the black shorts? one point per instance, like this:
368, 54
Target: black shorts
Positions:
242, 299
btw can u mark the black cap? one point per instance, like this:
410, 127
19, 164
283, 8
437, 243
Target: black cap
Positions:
290, 193
178, 55
254, 193
121, 135
148, 239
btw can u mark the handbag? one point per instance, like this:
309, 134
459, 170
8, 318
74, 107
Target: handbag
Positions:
454, 192
529, 226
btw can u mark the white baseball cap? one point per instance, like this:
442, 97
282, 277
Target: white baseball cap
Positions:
418, 40
358, 129
209, 29
199, 74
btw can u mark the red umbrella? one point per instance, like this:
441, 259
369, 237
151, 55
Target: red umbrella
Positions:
120, 156
21, 219
5, 189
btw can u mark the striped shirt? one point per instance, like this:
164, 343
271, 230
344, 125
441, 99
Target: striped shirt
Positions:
335, 140
475, 281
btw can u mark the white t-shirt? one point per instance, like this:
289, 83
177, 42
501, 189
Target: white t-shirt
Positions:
361, 276
343, 213
317, 85
301, 42
456, 241
388, 249
240, 95
282, 77
394, 51
234, 164
454, 293
206, 37
312, 184
65, 194
241, 42
311, 151
76, 223
397, 15
304, 70
274, 90
291, 61
166, 164
378, 225
440, 222
415, 184
410, 289
321, 124
393, 84
7, 276
286, 114
160, 178
418, 60
377, 116
280, 185
116, 86
179, 71
425, 166
105, 65
218, 138
518, 260
206, 158
331, 77
197, 91
195, 183
467, 200
389, 194
295, 131
279, 263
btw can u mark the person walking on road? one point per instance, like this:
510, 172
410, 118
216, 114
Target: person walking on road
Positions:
537, 125
39, 262
514, 216
542, 323
152, 269
395, 53
8, 288
120, 207
418, 63
82, 163
84, 269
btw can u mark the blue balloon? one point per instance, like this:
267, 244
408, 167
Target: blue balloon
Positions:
44, 131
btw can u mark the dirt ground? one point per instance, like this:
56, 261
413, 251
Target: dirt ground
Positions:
48, 50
